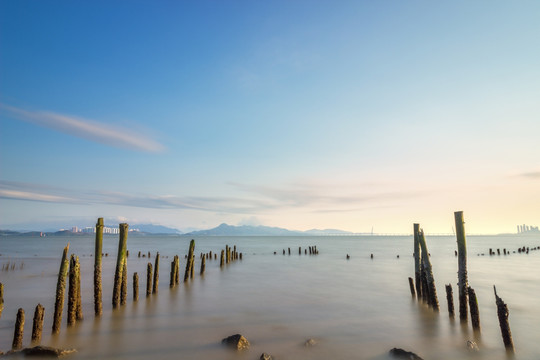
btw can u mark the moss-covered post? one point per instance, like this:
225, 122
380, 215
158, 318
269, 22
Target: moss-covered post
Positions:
417, 268
37, 325
148, 279
60, 291
463, 283
473, 305
72, 292
156, 275
135, 286
120, 259
432, 290
19, 330
502, 313
189, 263
123, 289
450, 300
203, 265
1, 299
97, 268
177, 270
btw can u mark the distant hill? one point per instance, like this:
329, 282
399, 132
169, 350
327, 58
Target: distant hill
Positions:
246, 230
155, 229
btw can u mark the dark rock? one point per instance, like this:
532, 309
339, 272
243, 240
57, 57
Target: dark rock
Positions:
403, 354
237, 342
265, 356
42, 351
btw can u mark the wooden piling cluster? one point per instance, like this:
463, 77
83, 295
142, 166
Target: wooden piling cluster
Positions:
312, 250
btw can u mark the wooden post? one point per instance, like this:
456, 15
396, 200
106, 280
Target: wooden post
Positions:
120, 258
148, 279
37, 325
473, 305
123, 289
19, 330
299, 250
203, 265
135, 286
72, 292
463, 283
97, 268
502, 313
417, 261
189, 263
1, 299
171, 281
411, 284
450, 300
177, 270
156, 275
192, 266
222, 258
432, 290
60, 290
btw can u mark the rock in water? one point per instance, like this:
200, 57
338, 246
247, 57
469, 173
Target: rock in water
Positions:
237, 342
310, 343
403, 354
42, 351
265, 356
472, 346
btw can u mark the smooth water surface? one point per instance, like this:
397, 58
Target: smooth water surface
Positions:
358, 308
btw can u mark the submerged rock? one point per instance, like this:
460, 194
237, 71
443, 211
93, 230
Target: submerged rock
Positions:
403, 354
237, 342
310, 343
472, 346
265, 356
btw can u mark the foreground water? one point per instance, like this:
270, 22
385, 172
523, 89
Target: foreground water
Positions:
355, 309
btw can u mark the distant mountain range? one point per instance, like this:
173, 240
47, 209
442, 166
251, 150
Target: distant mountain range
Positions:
246, 230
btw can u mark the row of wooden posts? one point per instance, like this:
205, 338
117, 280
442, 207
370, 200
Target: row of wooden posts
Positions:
312, 250
426, 291
70, 271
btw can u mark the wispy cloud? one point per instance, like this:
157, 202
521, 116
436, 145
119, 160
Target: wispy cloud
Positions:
87, 129
256, 200
531, 175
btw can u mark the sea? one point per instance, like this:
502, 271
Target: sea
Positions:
353, 308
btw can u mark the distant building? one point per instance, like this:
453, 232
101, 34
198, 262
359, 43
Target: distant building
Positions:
74, 229
522, 229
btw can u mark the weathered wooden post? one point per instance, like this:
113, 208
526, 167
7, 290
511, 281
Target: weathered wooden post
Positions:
411, 284
156, 275
148, 279
120, 259
1, 299
222, 258
432, 290
97, 268
450, 300
123, 289
299, 250
463, 283
203, 265
171, 281
135, 286
417, 269
502, 313
72, 293
177, 270
37, 324
19, 330
473, 306
189, 263
60, 290
192, 267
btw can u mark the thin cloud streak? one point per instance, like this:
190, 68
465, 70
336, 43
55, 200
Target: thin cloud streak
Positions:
531, 175
88, 129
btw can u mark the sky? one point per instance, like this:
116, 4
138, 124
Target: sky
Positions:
352, 115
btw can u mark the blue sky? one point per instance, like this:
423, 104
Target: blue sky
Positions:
302, 115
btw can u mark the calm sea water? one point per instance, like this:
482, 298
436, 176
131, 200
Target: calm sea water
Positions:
358, 308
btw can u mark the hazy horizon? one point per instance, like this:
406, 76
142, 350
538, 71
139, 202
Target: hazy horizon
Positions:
304, 115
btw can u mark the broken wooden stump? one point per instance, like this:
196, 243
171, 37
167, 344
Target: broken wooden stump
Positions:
37, 324
19, 330
502, 313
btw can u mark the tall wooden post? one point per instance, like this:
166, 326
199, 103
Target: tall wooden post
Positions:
155, 287
203, 265
463, 283
148, 279
189, 263
135, 286
417, 269
60, 290
97, 268
473, 305
121, 257
450, 300
1, 299
432, 290
123, 288
72, 292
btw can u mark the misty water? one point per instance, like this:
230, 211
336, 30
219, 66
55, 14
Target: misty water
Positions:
355, 309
